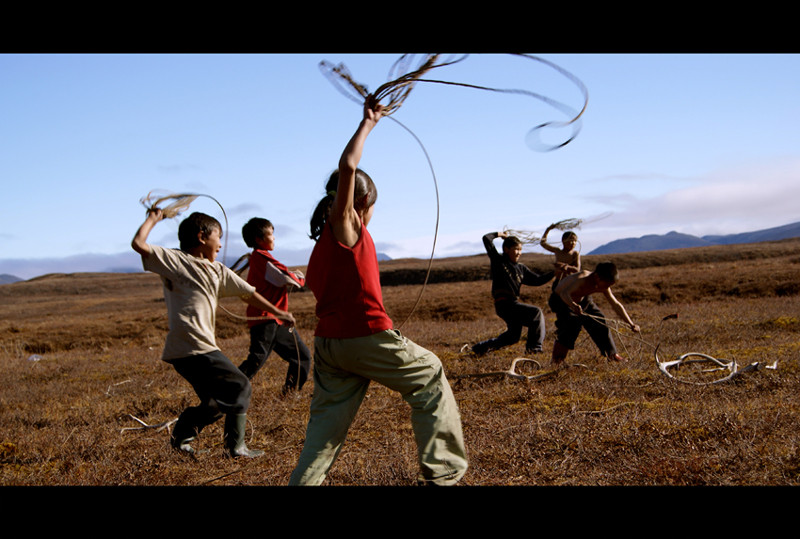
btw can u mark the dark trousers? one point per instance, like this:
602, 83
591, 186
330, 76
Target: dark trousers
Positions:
220, 385
569, 324
264, 338
516, 315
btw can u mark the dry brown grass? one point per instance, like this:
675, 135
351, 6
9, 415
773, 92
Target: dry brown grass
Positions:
100, 337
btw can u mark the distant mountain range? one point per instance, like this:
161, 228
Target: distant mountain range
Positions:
128, 262
5, 278
676, 240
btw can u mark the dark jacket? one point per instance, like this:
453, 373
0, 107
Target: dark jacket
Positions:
507, 277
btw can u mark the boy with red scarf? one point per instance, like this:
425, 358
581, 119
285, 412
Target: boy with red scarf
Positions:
267, 332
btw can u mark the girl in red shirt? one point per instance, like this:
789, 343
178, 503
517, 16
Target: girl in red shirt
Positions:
354, 341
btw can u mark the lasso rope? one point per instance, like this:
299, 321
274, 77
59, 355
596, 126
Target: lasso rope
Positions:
729, 365
525, 236
395, 92
181, 203
532, 238
573, 223
568, 224
436, 228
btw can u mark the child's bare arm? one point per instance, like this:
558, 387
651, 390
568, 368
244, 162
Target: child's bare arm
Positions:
343, 216
545, 245
139, 242
576, 262
259, 302
620, 309
548, 247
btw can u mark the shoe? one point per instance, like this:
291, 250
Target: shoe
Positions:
479, 350
182, 436
235, 425
183, 445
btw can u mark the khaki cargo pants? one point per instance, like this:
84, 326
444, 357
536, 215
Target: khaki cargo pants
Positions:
343, 369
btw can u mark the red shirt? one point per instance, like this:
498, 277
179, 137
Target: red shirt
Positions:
346, 283
275, 294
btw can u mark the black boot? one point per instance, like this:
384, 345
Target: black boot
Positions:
190, 423
235, 425
182, 436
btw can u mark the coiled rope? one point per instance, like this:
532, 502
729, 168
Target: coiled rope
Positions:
404, 78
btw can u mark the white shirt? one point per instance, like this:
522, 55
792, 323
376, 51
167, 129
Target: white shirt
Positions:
192, 288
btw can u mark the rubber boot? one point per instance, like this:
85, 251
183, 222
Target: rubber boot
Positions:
235, 425
559, 353
182, 436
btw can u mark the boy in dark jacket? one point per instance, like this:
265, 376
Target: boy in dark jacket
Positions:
508, 276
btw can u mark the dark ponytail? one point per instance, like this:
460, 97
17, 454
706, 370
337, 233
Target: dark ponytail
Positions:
364, 186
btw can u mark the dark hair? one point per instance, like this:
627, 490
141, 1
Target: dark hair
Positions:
569, 234
607, 271
254, 230
194, 224
364, 187
511, 241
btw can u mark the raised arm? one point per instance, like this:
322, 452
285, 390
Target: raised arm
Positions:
543, 241
488, 242
343, 217
139, 242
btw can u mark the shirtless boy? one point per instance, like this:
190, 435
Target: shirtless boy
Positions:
575, 309
568, 259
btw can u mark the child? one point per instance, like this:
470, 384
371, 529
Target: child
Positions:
574, 309
193, 283
354, 341
568, 260
508, 275
272, 279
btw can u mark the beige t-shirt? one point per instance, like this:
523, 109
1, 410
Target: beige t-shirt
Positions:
192, 287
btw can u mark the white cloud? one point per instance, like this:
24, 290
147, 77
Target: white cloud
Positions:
735, 199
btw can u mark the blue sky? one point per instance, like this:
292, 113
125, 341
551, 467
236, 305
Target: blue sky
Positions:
697, 143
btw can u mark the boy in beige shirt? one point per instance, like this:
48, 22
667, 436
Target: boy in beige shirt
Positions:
193, 283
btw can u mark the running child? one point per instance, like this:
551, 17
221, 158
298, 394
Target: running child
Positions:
267, 331
355, 342
568, 259
575, 309
193, 283
508, 276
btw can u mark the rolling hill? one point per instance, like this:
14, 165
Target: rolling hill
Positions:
676, 240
